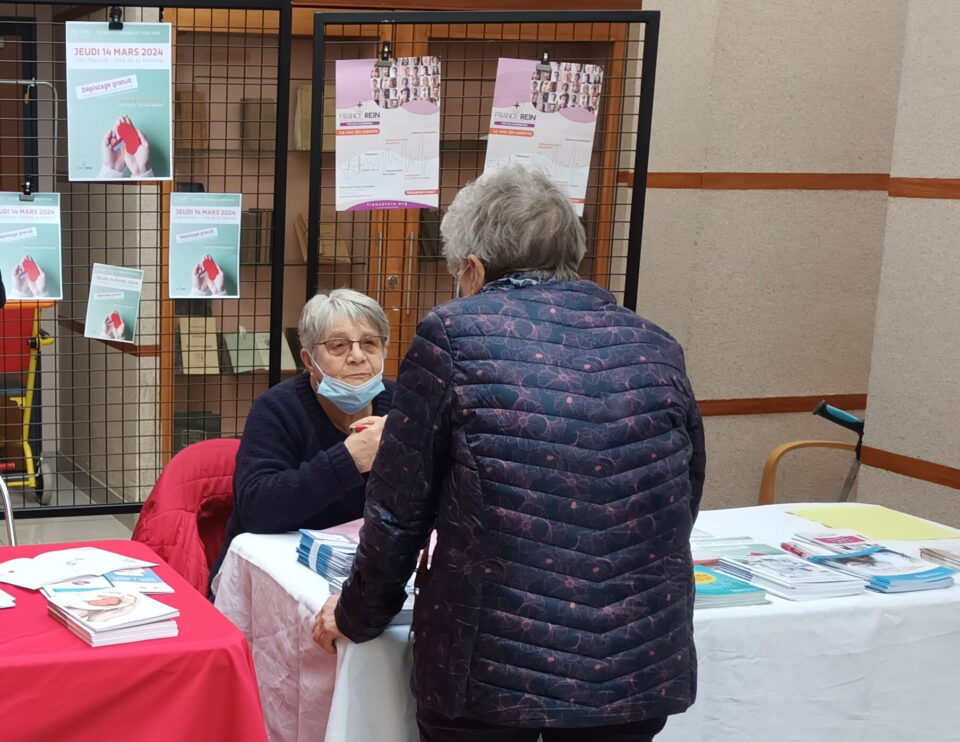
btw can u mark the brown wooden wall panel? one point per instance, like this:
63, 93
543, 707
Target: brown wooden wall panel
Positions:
774, 405
908, 466
764, 181
924, 187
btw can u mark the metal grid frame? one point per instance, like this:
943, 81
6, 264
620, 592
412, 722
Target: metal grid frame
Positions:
334, 33
119, 493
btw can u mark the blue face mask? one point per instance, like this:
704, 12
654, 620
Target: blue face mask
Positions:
351, 399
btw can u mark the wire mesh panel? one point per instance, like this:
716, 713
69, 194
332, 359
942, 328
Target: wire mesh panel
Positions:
105, 416
395, 255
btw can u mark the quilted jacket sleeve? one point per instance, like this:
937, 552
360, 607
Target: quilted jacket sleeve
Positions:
404, 485
698, 460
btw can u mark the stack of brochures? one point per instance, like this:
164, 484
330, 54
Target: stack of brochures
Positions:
717, 590
113, 616
788, 577
708, 549
941, 556
331, 554
328, 554
884, 570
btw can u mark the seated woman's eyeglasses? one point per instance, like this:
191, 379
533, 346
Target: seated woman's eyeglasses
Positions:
370, 344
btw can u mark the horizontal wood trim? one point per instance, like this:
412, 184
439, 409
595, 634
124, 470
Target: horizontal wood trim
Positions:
488, 5
764, 181
774, 405
908, 466
924, 187
140, 351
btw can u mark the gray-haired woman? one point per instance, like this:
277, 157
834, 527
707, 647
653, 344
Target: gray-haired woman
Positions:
553, 440
309, 442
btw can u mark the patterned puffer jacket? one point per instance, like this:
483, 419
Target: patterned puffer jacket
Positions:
553, 440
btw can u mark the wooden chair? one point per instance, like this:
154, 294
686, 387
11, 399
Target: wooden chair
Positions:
768, 481
844, 419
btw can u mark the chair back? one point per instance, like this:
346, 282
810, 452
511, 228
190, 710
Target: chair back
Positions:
185, 517
16, 329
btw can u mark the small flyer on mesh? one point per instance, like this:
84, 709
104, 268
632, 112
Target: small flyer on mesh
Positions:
119, 101
30, 255
114, 303
205, 245
544, 117
388, 134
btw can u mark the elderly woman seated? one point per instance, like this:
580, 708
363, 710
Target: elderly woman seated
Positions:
309, 442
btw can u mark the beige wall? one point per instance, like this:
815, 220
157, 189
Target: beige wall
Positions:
913, 406
771, 292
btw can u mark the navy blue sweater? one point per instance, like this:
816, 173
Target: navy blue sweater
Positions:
293, 470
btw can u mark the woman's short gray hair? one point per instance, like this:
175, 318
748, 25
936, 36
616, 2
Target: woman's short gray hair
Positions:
324, 309
514, 220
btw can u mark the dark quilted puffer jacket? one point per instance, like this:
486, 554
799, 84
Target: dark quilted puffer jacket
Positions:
553, 440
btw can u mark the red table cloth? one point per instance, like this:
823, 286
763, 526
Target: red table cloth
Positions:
200, 685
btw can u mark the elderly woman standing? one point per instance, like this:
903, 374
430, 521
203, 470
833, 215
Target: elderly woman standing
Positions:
309, 442
553, 440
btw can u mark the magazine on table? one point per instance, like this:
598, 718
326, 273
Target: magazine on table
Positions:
708, 549
789, 577
64, 564
714, 589
139, 579
113, 616
883, 569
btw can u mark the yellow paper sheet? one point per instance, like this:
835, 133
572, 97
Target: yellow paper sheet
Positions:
877, 522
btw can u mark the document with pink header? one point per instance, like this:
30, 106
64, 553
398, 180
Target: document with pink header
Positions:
544, 117
388, 134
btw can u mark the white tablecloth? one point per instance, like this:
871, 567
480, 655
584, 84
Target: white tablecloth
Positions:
877, 668
273, 599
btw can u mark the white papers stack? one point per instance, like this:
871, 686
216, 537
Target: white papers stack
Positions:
64, 564
883, 569
7, 600
790, 577
113, 616
717, 590
941, 556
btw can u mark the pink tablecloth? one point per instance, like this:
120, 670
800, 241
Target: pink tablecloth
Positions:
200, 685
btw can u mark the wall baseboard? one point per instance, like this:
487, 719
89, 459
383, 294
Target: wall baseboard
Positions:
909, 466
773, 405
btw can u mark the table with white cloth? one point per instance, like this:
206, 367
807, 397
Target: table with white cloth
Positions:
877, 667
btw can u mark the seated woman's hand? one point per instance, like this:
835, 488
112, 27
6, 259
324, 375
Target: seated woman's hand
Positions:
363, 443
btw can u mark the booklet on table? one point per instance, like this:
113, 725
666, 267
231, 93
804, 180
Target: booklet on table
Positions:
113, 616
64, 564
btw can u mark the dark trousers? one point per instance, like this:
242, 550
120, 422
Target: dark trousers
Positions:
436, 728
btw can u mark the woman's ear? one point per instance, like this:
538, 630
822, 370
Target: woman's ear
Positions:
308, 362
474, 276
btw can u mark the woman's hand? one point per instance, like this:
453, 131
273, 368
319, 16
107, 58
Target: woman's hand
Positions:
364, 443
325, 630
111, 158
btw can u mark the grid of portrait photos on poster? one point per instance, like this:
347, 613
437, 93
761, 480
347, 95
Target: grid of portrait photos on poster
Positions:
406, 79
566, 85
